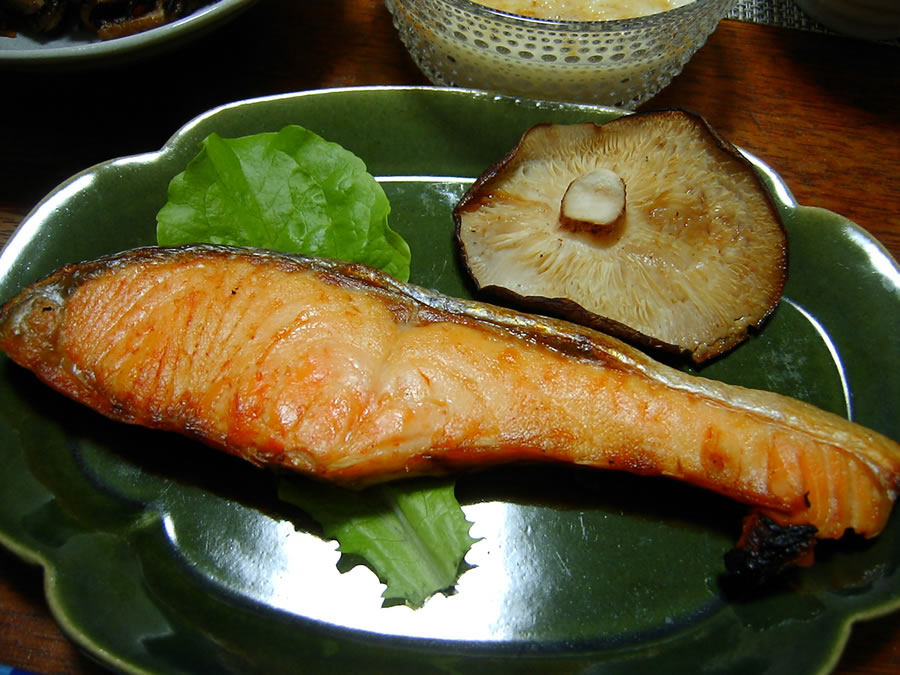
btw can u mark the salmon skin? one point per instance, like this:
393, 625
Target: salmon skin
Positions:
341, 372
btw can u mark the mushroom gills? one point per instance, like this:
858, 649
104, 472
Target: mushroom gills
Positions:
695, 258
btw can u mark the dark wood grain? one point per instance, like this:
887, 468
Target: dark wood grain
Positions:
824, 111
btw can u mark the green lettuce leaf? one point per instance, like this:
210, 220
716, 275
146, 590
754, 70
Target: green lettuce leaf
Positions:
412, 533
290, 191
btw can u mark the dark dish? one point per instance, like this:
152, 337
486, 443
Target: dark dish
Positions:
107, 19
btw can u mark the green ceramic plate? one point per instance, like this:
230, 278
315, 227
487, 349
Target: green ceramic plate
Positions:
164, 556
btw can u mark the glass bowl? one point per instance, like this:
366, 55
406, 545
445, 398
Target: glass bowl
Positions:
459, 43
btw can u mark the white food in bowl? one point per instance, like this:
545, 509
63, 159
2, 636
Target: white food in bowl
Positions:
584, 10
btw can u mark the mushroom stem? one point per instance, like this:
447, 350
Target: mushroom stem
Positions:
593, 202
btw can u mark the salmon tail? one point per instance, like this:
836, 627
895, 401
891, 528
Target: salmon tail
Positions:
765, 550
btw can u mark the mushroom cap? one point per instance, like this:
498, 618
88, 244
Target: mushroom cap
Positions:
697, 258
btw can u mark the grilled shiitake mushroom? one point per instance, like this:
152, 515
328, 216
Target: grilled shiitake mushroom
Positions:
651, 227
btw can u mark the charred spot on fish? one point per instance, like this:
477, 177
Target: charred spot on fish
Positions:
427, 315
578, 345
765, 550
634, 460
402, 313
349, 276
714, 461
32, 314
120, 411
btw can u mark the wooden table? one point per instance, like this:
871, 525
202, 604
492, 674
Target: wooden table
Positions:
822, 110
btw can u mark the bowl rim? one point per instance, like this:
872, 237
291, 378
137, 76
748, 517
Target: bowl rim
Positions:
530, 22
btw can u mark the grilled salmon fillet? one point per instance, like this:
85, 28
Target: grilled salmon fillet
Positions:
341, 372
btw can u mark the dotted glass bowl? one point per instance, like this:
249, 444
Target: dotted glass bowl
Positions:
623, 63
